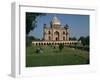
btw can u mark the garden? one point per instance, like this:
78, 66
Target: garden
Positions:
52, 55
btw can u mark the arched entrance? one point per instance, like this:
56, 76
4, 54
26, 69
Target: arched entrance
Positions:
56, 35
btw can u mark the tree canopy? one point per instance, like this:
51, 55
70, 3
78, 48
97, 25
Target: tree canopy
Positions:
31, 21
84, 40
72, 38
61, 46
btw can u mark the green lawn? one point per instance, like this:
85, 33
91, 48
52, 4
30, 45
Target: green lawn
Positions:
53, 57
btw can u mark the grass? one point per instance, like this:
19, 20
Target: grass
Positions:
53, 57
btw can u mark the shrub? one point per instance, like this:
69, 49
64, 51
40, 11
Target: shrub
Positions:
61, 46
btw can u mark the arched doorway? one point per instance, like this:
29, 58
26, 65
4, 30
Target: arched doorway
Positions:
56, 34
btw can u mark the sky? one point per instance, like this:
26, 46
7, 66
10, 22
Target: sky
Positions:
78, 24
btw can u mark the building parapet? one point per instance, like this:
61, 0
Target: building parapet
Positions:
53, 42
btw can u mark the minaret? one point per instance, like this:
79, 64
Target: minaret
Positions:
67, 32
44, 31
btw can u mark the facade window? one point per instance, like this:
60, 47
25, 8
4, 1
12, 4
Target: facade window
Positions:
63, 32
63, 37
56, 38
49, 32
49, 38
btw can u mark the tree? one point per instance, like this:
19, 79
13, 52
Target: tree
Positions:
29, 40
31, 23
31, 20
61, 46
87, 40
84, 40
72, 38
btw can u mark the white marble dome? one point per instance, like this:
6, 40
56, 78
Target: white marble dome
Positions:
55, 21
